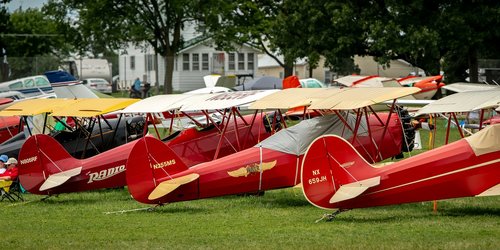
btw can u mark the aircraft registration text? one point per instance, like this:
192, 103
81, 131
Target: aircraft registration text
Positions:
164, 164
29, 160
316, 180
106, 173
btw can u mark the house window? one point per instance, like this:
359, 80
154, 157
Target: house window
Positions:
185, 62
232, 62
204, 61
132, 62
250, 64
149, 62
241, 61
282, 74
196, 62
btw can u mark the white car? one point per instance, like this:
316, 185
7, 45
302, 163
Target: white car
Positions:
311, 83
98, 84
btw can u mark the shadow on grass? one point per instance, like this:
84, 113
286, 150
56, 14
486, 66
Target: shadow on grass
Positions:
287, 202
268, 201
79, 198
176, 210
471, 211
373, 216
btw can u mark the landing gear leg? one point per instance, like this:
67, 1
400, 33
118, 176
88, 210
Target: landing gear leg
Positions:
330, 217
153, 208
47, 197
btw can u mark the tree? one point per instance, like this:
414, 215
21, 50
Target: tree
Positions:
5, 26
32, 43
332, 29
116, 23
468, 31
294, 29
257, 23
425, 33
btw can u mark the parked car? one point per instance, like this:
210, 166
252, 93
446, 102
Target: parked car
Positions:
311, 83
98, 84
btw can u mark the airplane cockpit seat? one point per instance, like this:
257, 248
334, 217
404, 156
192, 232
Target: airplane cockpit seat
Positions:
171, 136
269, 119
135, 127
207, 128
65, 136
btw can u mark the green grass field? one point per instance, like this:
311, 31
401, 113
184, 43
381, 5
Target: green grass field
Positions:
280, 219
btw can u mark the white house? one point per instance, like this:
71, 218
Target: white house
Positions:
196, 59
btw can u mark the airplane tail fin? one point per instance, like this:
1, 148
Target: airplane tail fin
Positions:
291, 82
333, 171
150, 161
45, 164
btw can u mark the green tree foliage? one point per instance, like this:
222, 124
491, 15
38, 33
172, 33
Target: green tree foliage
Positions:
468, 31
433, 35
96, 24
258, 23
5, 26
32, 43
425, 33
328, 28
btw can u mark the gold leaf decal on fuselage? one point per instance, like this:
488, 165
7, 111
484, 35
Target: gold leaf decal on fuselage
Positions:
251, 168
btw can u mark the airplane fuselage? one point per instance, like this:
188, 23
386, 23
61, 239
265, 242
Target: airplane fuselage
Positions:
107, 170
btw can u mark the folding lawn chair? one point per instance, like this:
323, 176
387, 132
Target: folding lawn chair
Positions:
11, 190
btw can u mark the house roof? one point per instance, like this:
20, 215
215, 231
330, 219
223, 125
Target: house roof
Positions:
265, 61
194, 42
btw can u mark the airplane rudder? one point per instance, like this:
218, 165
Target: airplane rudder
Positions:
327, 164
149, 161
39, 156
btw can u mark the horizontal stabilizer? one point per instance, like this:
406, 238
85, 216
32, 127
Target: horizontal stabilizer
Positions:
166, 187
55, 180
495, 190
354, 189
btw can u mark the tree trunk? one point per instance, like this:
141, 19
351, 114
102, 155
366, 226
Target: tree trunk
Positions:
157, 79
4, 68
4, 72
288, 67
473, 65
169, 72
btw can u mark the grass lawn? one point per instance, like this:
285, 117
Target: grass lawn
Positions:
281, 219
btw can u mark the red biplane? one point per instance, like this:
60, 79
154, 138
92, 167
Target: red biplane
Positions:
157, 175
428, 86
335, 176
46, 167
